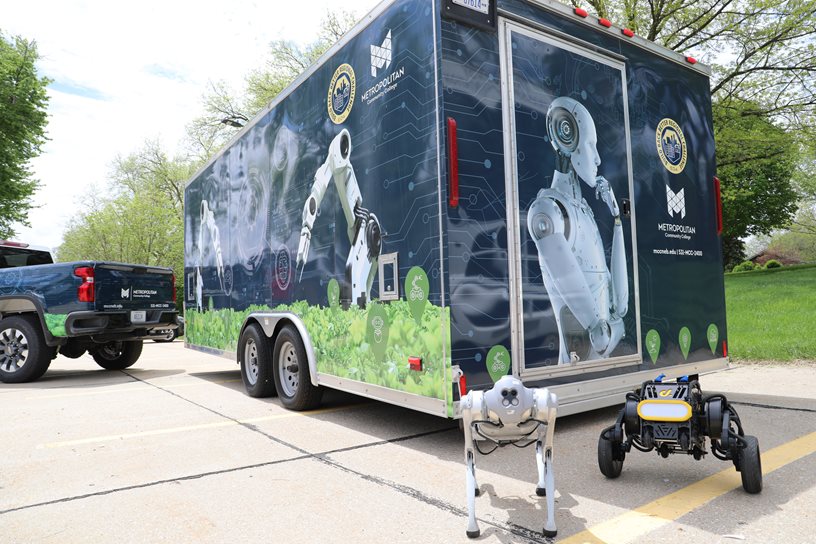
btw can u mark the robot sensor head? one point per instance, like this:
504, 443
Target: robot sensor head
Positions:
572, 134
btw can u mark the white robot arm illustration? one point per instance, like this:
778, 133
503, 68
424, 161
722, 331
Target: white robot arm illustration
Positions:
208, 222
570, 251
363, 226
510, 413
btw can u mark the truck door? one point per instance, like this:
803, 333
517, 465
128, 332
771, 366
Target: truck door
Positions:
573, 253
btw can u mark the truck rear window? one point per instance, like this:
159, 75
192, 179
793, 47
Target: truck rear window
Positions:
12, 257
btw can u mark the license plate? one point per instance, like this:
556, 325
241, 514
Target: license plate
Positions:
482, 6
138, 317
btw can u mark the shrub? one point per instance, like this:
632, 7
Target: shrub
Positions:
773, 263
744, 266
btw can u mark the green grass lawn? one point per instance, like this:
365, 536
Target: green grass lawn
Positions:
772, 314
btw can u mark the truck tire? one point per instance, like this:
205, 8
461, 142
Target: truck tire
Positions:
24, 355
117, 355
256, 362
291, 371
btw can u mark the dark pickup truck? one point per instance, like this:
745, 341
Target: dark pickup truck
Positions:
103, 308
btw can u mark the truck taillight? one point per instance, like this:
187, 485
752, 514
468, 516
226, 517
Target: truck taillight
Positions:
173, 286
85, 293
718, 197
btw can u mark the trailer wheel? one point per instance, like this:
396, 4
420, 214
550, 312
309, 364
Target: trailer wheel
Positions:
751, 465
291, 369
117, 355
609, 465
24, 356
256, 367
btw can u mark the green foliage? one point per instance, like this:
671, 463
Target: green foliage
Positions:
745, 266
756, 161
799, 241
142, 222
23, 101
771, 314
56, 323
341, 347
773, 263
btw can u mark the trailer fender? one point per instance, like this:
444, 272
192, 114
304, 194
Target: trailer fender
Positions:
271, 323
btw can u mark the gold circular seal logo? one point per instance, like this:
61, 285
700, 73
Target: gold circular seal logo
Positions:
341, 93
671, 146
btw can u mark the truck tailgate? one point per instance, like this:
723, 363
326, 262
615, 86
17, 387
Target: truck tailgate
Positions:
132, 287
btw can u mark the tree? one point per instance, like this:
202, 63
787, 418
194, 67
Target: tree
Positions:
23, 101
756, 161
225, 113
800, 239
142, 222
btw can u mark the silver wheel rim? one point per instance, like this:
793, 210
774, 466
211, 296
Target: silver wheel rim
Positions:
13, 350
288, 369
251, 361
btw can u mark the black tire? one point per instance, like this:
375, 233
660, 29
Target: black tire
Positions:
24, 355
610, 467
117, 355
256, 362
291, 371
751, 465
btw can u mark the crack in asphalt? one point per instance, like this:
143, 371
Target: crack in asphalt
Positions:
322, 457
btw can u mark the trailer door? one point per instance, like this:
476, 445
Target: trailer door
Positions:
574, 295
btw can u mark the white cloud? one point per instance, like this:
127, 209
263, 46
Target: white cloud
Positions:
126, 72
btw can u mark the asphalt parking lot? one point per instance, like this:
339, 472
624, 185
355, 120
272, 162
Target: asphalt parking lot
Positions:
172, 450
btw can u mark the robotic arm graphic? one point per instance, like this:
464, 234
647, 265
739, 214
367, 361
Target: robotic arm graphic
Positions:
619, 280
363, 230
208, 222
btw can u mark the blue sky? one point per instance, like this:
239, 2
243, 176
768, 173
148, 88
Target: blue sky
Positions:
125, 73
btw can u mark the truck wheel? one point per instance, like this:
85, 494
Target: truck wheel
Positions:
291, 370
117, 355
751, 465
610, 467
256, 364
24, 356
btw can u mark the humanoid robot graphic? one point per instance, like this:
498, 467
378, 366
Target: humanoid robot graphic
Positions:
570, 249
363, 226
208, 223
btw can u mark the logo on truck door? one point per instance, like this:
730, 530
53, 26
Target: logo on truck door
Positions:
671, 146
341, 93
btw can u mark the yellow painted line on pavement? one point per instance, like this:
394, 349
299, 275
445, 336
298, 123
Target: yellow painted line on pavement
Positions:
188, 428
127, 389
635, 524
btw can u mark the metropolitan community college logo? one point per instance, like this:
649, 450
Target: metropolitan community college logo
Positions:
342, 89
676, 202
381, 55
671, 146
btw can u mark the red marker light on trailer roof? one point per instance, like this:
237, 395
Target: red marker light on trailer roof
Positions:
691, 60
628, 33
581, 12
605, 22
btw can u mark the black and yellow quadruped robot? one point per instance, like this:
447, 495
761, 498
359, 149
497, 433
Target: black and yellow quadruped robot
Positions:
675, 417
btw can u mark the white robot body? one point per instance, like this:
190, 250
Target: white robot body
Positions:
510, 413
571, 252
209, 226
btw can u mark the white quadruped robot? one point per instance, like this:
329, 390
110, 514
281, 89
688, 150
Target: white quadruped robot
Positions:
570, 250
364, 230
510, 414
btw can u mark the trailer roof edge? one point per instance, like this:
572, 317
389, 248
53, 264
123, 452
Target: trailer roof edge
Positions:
361, 25
555, 6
